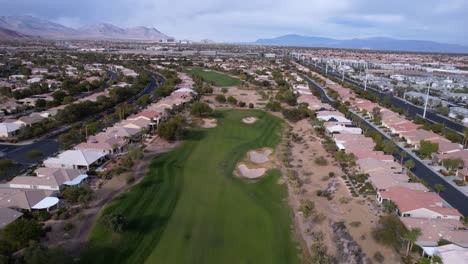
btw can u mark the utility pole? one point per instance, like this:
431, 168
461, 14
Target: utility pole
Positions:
365, 81
427, 99
326, 68
342, 76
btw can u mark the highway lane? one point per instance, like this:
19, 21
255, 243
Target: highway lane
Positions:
49, 145
452, 195
412, 110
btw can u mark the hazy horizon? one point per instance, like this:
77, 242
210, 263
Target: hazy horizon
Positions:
246, 21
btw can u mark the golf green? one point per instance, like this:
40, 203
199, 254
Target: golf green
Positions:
214, 78
191, 209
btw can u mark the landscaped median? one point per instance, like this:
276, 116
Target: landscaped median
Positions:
190, 208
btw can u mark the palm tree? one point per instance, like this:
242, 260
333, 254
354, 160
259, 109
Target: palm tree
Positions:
439, 188
465, 137
411, 236
402, 156
409, 164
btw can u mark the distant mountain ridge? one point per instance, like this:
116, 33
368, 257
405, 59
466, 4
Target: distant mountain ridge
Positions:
6, 34
377, 43
33, 26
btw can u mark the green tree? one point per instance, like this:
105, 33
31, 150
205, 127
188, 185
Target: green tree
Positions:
5, 165
377, 115
426, 148
439, 188
172, 129
201, 109
389, 206
389, 147
34, 154
75, 194
220, 98
21, 231
411, 236
37, 254
232, 100
409, 164
115, 222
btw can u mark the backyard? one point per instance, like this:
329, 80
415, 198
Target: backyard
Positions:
190, 208
214, 78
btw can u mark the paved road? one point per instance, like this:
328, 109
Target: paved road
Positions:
452, 195
412, 110
49, 145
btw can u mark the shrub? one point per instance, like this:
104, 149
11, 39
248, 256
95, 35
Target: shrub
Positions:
232, 100
379, 257
68, 226
251, 105
321, 161
242, 104
220, 98
307, 207
130, 179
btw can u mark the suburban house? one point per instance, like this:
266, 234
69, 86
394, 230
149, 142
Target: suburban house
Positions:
48, 179
385, 180
445, 146
27, 199
462, 154
435, 229
402, 127
374, 165
29, 120
379, 155
335, 127
414, 137
411, 203
105, 143
153, 116
75, 159
332, 116
9, 129
451, 253
7, 216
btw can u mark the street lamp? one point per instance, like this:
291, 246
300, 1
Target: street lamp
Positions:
427, 99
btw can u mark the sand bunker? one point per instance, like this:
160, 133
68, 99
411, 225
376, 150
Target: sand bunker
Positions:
260, 156
208, 123
246, 172
249, 120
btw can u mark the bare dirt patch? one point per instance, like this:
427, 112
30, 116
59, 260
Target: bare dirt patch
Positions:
339, 207
249, 120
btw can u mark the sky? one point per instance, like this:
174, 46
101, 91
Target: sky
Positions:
248, 20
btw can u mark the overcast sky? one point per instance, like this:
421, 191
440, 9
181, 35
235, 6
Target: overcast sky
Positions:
248, 20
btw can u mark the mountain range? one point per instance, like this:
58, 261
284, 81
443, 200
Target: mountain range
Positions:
33, 26
378, 43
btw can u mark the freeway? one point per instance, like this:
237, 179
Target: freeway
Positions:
412, 110
452, 195
49, 145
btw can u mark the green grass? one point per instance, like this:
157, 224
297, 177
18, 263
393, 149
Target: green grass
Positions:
215, 78
190, 209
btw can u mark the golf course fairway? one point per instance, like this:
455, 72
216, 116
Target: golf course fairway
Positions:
190, 208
